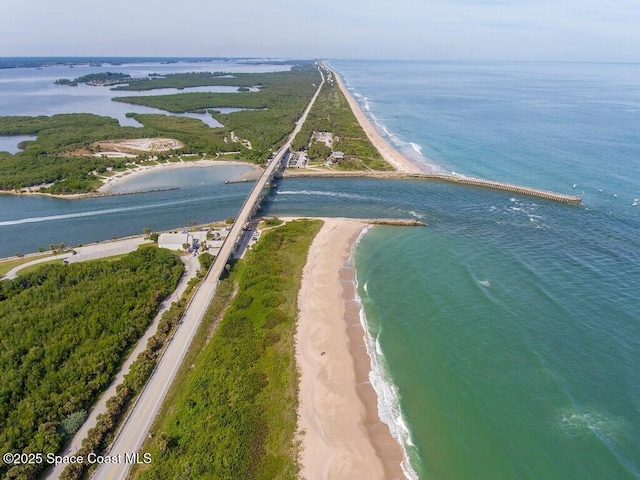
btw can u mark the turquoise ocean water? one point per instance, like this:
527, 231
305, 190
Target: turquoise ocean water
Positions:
508, 331
506, 334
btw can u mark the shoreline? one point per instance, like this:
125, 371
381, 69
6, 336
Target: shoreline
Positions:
392, 156
106, 189
340, 432
111, 182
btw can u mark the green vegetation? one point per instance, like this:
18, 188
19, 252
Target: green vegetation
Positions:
280, 101
272, 221
48, 159
332, 113
103, 78
62, 153
64, 329
100, 436
33, 268
8, 265
199, 79
234, 414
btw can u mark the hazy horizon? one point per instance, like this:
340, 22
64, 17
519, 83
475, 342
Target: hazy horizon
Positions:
465, 30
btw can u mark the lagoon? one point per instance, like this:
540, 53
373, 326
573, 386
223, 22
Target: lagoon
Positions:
30, 91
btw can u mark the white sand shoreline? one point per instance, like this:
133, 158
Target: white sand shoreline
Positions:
340, 431
399, 161
111, 182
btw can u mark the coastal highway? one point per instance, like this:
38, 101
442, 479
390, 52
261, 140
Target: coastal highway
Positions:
192, 265
131, 436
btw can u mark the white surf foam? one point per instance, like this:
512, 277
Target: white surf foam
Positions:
415, 214
91, 213
388, 394
579, 422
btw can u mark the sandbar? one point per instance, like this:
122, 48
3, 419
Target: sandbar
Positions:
340, 432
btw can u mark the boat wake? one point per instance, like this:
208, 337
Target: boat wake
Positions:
322, 193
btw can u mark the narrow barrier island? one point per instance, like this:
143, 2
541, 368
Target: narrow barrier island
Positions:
242, 387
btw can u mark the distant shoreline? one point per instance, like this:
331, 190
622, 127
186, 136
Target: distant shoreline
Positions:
392, 156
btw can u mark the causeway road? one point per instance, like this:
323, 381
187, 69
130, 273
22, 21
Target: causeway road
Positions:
135, 429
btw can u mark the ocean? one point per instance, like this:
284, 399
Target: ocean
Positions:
505, 334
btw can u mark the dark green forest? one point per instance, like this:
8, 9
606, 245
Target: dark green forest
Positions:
279, 102
64, 331
48, 159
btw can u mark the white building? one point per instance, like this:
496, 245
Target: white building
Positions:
175, 241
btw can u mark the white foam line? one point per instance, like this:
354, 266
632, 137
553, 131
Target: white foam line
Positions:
90, 213
324, 194
388, 396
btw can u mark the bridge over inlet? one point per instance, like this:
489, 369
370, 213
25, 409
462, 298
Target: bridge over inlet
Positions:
134, 431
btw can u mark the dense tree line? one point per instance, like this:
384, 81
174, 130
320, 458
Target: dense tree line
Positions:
49, 160
277, 105
93, 77
237, 412
200, 79
62, 153
63, 332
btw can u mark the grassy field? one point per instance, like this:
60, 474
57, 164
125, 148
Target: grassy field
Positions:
233, 414
8, 265
33, 268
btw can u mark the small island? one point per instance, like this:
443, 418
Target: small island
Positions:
103, 79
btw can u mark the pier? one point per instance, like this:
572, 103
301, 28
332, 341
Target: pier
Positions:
475, 182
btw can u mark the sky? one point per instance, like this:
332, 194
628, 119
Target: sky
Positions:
552, 30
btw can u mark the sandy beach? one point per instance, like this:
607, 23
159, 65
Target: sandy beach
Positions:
341, 434
392, 156
112, 181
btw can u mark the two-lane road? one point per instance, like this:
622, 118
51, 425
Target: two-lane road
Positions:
136, 427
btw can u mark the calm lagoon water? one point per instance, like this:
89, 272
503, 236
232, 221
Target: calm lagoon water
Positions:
31, 91
30, 222
10, 144
506, 334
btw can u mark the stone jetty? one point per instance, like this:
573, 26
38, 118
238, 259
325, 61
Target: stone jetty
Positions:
475, 182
